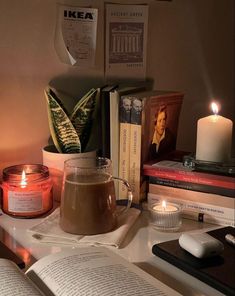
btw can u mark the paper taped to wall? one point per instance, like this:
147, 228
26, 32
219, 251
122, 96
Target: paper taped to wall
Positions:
75, 35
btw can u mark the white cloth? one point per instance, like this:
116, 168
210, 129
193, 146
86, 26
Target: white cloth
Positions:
49, 231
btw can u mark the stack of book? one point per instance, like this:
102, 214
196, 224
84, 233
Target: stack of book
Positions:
204, 196
128, 119
138, 115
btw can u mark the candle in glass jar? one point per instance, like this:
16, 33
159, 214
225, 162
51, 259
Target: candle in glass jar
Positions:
214, 137
166, 216
27, 190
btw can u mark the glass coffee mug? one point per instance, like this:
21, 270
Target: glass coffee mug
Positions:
88, 201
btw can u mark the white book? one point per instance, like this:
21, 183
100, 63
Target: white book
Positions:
197, 210
124, 145
114, 130
190, 195
114, 120
135, 160
80, 271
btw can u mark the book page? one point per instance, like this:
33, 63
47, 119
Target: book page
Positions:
95, 271
14, 282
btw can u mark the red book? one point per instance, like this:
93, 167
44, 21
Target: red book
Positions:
173, 170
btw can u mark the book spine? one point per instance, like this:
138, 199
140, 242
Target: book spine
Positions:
176, 166
135, 148
189, 195
202, 212
192, 186
202, 217
114, 130
174, 174
124, 144
105, 110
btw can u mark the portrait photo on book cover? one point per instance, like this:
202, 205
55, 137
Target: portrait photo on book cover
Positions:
125, 109
130, 110
161, 127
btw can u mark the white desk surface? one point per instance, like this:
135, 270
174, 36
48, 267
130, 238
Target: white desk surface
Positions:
136, 248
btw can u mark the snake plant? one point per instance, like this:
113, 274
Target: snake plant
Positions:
70, 132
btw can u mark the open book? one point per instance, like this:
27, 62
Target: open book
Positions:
81, 271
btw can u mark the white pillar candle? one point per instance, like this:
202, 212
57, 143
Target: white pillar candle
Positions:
214, 137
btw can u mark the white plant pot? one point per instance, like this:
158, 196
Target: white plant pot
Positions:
55, 162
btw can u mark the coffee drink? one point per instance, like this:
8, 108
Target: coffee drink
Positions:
88, 204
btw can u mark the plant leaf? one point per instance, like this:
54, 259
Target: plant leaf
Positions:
81, 116
82, 101
52, 92
62, 130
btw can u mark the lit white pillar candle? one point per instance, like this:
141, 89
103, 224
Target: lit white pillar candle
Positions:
214, 137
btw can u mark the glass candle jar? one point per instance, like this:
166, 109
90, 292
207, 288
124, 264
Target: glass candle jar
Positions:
166, 216
27, 190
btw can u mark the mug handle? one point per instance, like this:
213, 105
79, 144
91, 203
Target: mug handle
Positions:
129, 195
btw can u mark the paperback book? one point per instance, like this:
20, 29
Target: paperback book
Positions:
164, 181
135, 149
114, 97
203, 207
125, 106
81, 271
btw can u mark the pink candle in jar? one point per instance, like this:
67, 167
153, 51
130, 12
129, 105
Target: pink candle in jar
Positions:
27, 190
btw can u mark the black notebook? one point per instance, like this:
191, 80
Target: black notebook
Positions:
218, 272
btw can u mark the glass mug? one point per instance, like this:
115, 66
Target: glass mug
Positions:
88, 201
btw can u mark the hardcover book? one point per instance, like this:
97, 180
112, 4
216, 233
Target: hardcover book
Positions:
154, 125
230, 192
175, 174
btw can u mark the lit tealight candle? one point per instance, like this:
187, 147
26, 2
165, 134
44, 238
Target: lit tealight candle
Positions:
163, 207
214, 137
166, 216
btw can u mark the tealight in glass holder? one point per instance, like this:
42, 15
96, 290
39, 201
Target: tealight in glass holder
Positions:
27, 190
165, 216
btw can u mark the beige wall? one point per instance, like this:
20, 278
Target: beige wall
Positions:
190, 48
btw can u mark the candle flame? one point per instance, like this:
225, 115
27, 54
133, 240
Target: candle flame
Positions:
214, 108
23, 182
164, 205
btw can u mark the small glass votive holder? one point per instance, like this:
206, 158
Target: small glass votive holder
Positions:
27, 190
165, 216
